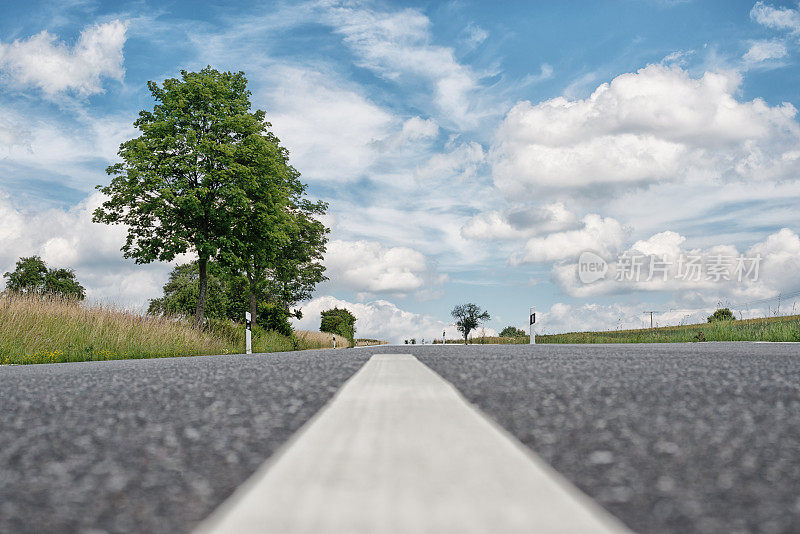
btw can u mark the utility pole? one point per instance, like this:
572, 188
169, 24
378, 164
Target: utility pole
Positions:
651, 317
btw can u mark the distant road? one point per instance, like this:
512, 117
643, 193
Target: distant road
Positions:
668, 438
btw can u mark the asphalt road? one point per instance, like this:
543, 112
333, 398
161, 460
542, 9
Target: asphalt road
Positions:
148, 445
669, 438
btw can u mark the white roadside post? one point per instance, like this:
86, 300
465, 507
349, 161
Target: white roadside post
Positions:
444, 339
248, 334
334, 340
532, 319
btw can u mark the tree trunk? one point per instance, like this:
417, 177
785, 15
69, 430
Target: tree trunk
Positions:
466, 333
252, 298
201, 298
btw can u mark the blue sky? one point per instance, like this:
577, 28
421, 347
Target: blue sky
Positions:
470, 151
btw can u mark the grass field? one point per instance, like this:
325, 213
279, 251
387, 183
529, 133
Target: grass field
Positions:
782, 328
36, 330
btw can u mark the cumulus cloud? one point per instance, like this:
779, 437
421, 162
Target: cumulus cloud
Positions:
520, 222
663, 263
45, 62
606, 235
369, 267
68, 238
656, 125
380, 319
763, 50
780, 18
417, 128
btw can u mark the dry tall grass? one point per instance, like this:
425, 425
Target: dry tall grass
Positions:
49, 330
319, 340
34, 329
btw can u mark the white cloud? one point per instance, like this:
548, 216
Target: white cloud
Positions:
68, 238
369, 267
417, 128
656, 125
545, 73
780, 18
520, 222
397, 46
463, 161
563, 317
776, 270
379, 319
763, 50
416, 133
69, 152
604, 235
53, 66
473, 35
330, 128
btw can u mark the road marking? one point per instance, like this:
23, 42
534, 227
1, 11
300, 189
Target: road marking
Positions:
399, 450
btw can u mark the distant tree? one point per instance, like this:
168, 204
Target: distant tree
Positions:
28, 276
512, 331
338, 321
177, 189
32, 275
722, 314
63, 282
468, 317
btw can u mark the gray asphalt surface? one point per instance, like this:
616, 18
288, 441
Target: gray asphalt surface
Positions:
669, 438
148, 445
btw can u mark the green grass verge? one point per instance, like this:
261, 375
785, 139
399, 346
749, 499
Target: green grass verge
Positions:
784, 328
36, 330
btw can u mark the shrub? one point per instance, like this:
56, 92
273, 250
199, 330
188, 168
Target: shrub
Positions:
722, 314
512, 331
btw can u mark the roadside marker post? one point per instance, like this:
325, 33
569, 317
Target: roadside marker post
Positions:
248, 333
531, 320
444, 339
334, 340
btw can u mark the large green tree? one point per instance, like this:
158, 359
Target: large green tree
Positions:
277, 242
177, 188
31, 275
468, 317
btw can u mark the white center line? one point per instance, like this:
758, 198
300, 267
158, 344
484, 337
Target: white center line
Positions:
399, 450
